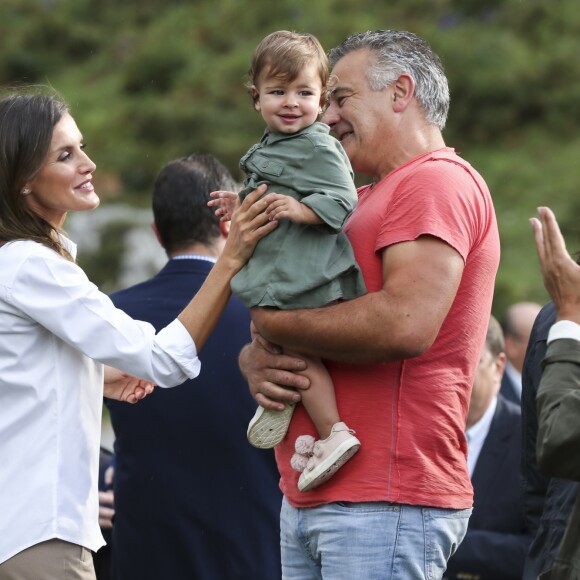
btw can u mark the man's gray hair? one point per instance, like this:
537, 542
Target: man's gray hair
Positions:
398, 52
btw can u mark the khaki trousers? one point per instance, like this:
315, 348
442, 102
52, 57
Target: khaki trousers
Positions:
51, 560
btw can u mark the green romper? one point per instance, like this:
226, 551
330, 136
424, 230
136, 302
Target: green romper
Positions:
298, 265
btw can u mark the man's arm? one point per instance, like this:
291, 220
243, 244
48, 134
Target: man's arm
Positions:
401, 320
558, 402
558, 397
560, 272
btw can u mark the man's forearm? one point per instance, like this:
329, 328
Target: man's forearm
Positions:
558, 402
369, 329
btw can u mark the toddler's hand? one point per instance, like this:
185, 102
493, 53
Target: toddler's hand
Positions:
286, 207
225, 202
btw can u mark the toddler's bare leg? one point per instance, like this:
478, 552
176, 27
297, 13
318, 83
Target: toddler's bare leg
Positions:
319, 400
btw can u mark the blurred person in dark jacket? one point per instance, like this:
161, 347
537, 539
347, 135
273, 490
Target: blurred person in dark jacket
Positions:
102, 558
547, 501
558, 396
497, 540
516, 324
193, 499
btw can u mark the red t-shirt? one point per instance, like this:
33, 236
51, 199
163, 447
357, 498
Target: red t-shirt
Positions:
410, 414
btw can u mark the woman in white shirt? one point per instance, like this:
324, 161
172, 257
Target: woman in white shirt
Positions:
61, 341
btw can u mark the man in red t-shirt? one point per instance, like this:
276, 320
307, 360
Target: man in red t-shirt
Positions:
402, 357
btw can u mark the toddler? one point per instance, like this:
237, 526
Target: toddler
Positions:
307, 261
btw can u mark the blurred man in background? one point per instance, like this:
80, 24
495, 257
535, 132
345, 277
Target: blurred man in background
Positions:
516, 323
193, 499
496, 542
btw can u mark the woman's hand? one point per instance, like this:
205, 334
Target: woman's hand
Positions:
106, 509
124, 387
107, 500
249, 225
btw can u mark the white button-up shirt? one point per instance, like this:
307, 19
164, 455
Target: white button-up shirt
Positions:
477, 434
56, 330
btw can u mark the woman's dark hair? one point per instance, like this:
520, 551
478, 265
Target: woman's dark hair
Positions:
27, 123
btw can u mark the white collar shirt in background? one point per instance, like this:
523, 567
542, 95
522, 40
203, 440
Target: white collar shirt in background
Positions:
476, 435
55, 325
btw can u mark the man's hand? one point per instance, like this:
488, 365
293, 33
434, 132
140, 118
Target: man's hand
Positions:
124, 387
272, 377
560, 272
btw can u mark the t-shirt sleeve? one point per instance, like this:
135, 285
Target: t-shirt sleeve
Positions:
440, 199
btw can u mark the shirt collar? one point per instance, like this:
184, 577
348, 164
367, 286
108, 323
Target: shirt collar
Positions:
481, 428
316, 127
477, 434
201, 257
68, 245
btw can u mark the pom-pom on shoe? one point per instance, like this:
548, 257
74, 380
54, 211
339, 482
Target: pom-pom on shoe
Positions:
328, 456
303, 447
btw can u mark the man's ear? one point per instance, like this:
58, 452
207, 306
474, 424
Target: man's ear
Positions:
225, 228
403, 91
500, 361
156, 232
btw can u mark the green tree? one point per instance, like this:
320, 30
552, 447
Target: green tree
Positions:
151, 81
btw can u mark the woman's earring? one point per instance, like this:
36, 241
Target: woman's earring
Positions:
26, 191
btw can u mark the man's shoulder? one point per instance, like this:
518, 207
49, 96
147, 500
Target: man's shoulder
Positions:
508, 389
446, 164
182, 275
505, 431
508, 408
442, 169
129, 293
544, 321
507, 420
157, 288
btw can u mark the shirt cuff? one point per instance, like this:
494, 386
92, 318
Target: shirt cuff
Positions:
564, 329
177, 342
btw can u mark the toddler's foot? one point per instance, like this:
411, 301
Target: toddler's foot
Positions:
328, 456
268, 427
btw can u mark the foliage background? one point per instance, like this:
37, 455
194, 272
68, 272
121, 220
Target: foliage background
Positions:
152, 80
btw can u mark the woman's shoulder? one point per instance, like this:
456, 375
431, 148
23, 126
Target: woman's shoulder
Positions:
16, 257
25, 248
22, 257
